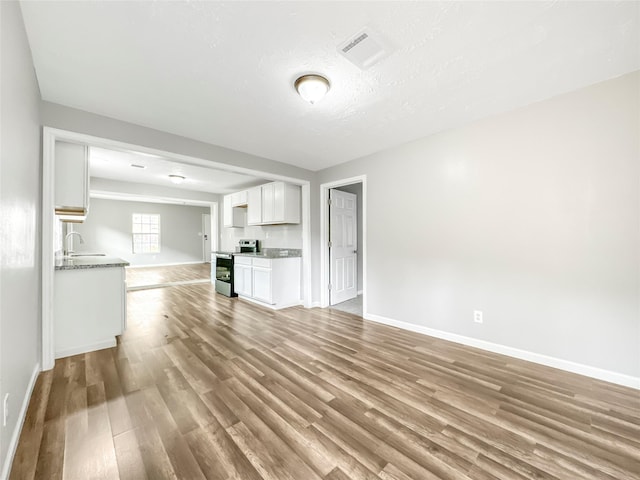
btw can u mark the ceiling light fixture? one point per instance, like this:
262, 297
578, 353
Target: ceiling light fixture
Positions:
312, 87
177, 179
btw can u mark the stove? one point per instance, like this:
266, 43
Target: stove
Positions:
224, 266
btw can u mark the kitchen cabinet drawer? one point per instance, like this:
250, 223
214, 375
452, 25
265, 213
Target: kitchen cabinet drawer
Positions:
238, 260
262, 262
71, 187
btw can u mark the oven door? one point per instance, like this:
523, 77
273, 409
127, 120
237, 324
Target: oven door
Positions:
224, 275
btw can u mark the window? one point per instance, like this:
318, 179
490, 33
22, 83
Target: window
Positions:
146, 233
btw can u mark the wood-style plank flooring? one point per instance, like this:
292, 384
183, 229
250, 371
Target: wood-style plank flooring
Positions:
206, 387
153, 276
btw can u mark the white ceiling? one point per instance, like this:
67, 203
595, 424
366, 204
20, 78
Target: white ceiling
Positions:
223, 72
116, 165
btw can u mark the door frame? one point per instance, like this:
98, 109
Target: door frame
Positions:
49, 137
206, 256
324, 238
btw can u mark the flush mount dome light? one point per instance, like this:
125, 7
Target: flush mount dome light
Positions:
312, 87
176, 179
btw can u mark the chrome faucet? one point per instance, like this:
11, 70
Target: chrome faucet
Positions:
67, 249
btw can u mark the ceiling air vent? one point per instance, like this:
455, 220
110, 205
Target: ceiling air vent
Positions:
364, 49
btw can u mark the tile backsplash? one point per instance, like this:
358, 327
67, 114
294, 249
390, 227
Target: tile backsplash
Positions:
270, 236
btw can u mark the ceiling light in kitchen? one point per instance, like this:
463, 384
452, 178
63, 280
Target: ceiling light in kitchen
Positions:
177, 179
312, 87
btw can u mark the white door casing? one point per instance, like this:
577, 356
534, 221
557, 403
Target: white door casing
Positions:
343, 238
206, 237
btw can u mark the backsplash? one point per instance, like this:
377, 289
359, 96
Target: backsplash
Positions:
270, 236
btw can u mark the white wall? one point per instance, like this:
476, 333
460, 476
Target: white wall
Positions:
107, 229
20, 199
532, 217
270, 236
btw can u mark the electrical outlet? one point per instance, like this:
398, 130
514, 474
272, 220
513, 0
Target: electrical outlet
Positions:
477, 316
5, 410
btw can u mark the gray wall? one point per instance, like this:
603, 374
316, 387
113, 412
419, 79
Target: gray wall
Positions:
20, 200
356, 189
67, 118
107, 229
532, 217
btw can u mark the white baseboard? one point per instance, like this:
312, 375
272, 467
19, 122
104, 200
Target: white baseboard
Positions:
360, 292
108, 343
169, 284
15, 436
166, 264
272, 307
314, 305
579, 368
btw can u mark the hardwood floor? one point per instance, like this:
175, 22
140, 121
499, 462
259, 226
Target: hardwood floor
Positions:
203, 386
152, 276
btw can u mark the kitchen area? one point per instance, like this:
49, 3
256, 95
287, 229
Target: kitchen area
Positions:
258, 256
266, 267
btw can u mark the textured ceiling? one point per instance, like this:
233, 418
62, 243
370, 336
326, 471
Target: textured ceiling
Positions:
223, 72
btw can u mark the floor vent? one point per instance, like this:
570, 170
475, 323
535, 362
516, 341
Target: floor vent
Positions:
364, 49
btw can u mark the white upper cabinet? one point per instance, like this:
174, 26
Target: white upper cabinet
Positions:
71, 180
254, 206
274, 203
239, 199
231, 216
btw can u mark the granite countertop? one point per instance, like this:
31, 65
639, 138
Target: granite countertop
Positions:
273, 253
89, 261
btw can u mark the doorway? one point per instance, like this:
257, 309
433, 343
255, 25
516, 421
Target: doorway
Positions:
343, 256
206, 238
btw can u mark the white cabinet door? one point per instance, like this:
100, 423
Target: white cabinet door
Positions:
262, 284
242, 280
231, 217
268, 207
71, 189
239, 199
254, 206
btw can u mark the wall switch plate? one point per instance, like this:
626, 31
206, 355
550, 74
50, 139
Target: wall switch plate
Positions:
477, 316
5, 410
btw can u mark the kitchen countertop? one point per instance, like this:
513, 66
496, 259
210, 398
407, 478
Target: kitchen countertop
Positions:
273, 253
74, 263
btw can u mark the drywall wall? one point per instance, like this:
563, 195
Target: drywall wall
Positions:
107, 229
356, 189
20, 200
532, 217
67, 118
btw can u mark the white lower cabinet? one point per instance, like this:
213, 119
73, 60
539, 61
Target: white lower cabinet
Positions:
90, 307
271, 281
242, 278
262, 284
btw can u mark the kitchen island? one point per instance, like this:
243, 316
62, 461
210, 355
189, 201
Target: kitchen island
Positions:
89, 303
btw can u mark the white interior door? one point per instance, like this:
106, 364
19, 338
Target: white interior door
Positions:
343, 238
206, 237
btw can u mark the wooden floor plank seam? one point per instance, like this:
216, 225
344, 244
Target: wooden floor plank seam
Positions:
202, 386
